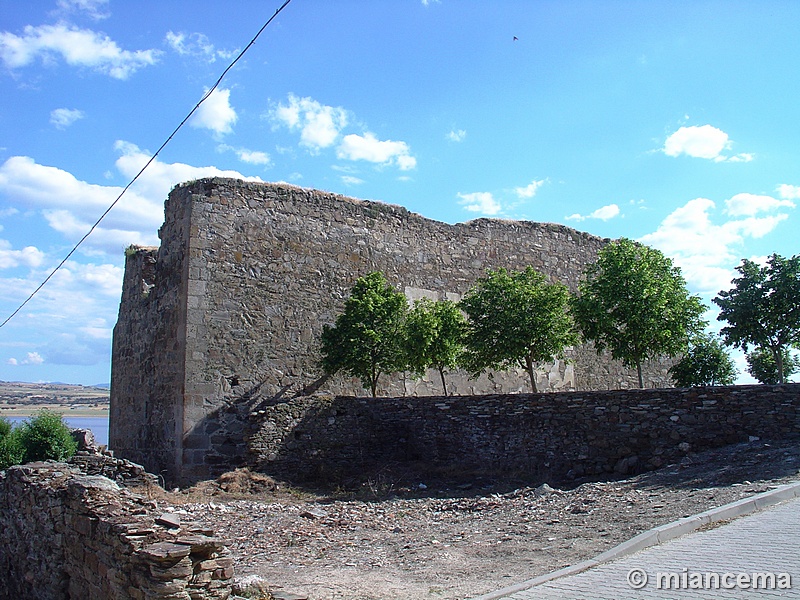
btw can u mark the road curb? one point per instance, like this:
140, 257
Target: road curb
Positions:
659, 535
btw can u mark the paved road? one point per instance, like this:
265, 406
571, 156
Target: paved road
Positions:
767, 541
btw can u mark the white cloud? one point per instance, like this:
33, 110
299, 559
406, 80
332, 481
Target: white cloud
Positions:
31, 358
319, 124
215, 113
480, 202
457, 135
159, 178
529, 191
78, 47
788, 192
700, 142
350, 180
72, 317
93, 8
749, 204
253, 157
97, 329
70, 206
707, 252
604, 213
406, 162
64, 117
29, 256
76, 310
703, 141
370, 148
195, 44
74, 313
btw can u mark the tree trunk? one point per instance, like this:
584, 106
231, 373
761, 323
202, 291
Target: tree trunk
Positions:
374, 383
779, 362
529, 368
444, 385
639, 372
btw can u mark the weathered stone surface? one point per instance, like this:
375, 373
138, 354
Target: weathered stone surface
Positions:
119, 470
169, 520
165, 552
85, 440
226, 315
550, 437
201, 545
65, 534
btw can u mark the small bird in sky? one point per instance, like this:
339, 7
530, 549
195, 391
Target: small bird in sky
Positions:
516, 38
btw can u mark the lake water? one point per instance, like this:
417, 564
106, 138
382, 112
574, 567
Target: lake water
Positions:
98, 425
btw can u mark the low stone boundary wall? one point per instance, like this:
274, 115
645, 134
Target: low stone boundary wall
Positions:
65, 534
551, 437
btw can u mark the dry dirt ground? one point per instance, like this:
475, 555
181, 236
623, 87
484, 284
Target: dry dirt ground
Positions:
387, 542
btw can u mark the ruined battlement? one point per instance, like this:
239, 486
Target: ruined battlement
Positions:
225, 316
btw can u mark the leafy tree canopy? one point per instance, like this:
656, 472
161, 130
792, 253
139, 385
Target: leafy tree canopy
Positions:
43, 437
5, 427
762, 366
11, 450
516, 318
634, 302
706, 362
367, 339
762, 308
434, 337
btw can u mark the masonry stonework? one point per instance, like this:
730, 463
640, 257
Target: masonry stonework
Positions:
554, 438
65, 534
225, 316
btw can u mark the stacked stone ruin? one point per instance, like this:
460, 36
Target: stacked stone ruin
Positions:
66, 534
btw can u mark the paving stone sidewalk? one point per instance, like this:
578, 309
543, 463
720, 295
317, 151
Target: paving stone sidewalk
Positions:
767, 541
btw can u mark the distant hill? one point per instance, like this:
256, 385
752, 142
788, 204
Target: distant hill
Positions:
32, 394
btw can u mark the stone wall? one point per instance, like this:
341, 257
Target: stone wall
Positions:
226, 315
537, 437
148, 353
65, 534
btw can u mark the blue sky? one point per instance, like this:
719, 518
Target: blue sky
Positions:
674, 123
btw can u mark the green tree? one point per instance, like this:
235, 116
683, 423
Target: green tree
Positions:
434, 337
516, 318
367, 338
5, 427
763, 308
634, 302
43, 437
11, 450
46, 437
762, 366
705, 362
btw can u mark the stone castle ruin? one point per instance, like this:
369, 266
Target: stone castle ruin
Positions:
224, 318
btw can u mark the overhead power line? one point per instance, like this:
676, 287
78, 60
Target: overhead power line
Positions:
152, 158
